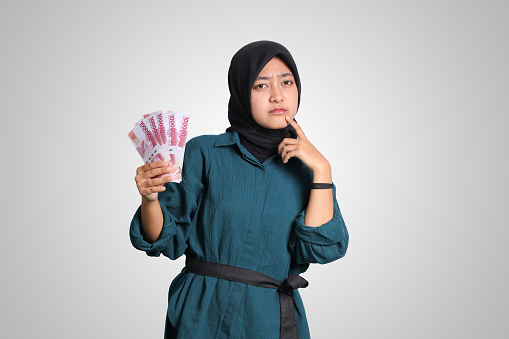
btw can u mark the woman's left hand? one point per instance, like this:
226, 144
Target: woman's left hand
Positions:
302, 149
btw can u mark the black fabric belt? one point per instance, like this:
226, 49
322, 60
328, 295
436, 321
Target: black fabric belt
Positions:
250, 277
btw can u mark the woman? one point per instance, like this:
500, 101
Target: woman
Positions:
255, 206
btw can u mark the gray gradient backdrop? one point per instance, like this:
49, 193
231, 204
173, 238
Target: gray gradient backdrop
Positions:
407, 99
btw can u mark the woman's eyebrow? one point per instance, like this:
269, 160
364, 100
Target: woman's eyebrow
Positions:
282, 75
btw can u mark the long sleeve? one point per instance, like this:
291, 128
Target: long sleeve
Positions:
178, 203
321, 244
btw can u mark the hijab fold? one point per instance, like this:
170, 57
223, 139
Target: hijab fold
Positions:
245, 67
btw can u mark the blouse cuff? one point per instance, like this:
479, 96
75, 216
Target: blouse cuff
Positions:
329, 233
167, 233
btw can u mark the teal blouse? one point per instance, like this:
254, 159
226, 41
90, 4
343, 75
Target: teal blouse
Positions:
234, 210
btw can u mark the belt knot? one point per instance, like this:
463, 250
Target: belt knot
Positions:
291, 283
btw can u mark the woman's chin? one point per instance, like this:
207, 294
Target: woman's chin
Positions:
277, 126
277, 122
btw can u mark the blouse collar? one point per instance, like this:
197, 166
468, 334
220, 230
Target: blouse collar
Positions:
232, 138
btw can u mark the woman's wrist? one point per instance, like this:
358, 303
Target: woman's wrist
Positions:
147, 202
322, 173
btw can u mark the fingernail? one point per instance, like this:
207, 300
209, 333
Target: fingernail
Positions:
287, 118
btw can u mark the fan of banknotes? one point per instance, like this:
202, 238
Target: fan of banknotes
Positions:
161, 136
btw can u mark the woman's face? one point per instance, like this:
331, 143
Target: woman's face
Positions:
274, 95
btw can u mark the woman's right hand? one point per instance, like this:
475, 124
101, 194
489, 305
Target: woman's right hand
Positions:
149, 181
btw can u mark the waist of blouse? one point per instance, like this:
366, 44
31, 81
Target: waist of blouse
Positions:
288, 328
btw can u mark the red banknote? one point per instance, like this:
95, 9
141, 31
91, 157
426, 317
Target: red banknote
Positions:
161, 136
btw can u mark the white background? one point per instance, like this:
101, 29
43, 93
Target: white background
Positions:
407, 99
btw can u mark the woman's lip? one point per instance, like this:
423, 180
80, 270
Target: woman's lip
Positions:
278, 111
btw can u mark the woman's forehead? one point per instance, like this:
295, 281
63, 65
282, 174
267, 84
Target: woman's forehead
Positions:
277, 67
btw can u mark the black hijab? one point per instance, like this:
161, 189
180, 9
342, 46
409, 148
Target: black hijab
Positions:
245, 66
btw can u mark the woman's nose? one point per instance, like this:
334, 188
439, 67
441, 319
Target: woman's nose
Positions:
276, 95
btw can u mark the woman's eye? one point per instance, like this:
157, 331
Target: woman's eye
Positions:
260, 86
288, 82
